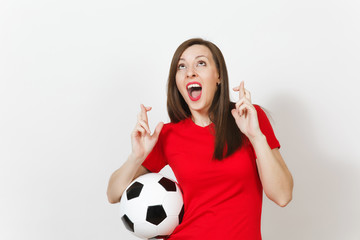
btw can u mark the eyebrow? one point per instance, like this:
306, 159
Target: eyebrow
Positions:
195, 58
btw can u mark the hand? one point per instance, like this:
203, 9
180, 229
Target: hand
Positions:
141, 140
245, 114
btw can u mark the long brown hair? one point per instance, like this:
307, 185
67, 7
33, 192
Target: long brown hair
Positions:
228, 137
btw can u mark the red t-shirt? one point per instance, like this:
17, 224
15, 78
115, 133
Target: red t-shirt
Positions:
222, 199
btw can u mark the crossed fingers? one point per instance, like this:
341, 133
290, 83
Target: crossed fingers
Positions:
244, 102
142, 123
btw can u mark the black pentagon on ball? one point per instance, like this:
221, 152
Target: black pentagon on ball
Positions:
134, 190
181, 215
160, 237
128, 223
167, 184
155, 214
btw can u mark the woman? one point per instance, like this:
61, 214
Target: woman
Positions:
223, 154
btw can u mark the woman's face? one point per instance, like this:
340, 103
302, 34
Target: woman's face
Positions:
196, 78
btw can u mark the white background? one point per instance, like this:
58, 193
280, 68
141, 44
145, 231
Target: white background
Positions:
73, 73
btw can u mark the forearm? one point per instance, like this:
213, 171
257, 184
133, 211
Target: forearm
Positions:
274, 175
121, 178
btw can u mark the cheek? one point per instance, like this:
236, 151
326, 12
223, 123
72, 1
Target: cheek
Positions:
211, 92
211, 89
178, 85
179, 76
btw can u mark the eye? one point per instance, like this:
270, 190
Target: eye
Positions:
201, 63
181, 66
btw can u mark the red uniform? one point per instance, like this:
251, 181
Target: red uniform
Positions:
222, 199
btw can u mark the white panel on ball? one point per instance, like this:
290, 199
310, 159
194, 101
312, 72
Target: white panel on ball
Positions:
152, 205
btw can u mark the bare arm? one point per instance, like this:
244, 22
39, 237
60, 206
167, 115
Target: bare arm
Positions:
275, 177
122, 177
142, 144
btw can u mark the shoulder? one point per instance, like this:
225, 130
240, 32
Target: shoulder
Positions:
264, 118
167, 127
258, 108
260, 111
171, 126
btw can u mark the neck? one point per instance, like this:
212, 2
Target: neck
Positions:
200, 119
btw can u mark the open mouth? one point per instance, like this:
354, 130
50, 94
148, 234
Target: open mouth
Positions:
194, 90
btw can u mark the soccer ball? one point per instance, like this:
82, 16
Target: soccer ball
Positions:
152, 206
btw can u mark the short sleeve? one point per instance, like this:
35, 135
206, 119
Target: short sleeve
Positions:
266, 128
156, 160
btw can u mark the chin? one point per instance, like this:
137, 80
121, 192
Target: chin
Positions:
198, 106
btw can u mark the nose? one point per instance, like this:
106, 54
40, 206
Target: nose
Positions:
190, 73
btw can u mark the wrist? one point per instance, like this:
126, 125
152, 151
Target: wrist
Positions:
136, 158
259, 138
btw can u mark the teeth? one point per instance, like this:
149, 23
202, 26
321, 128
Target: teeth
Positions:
193, 85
